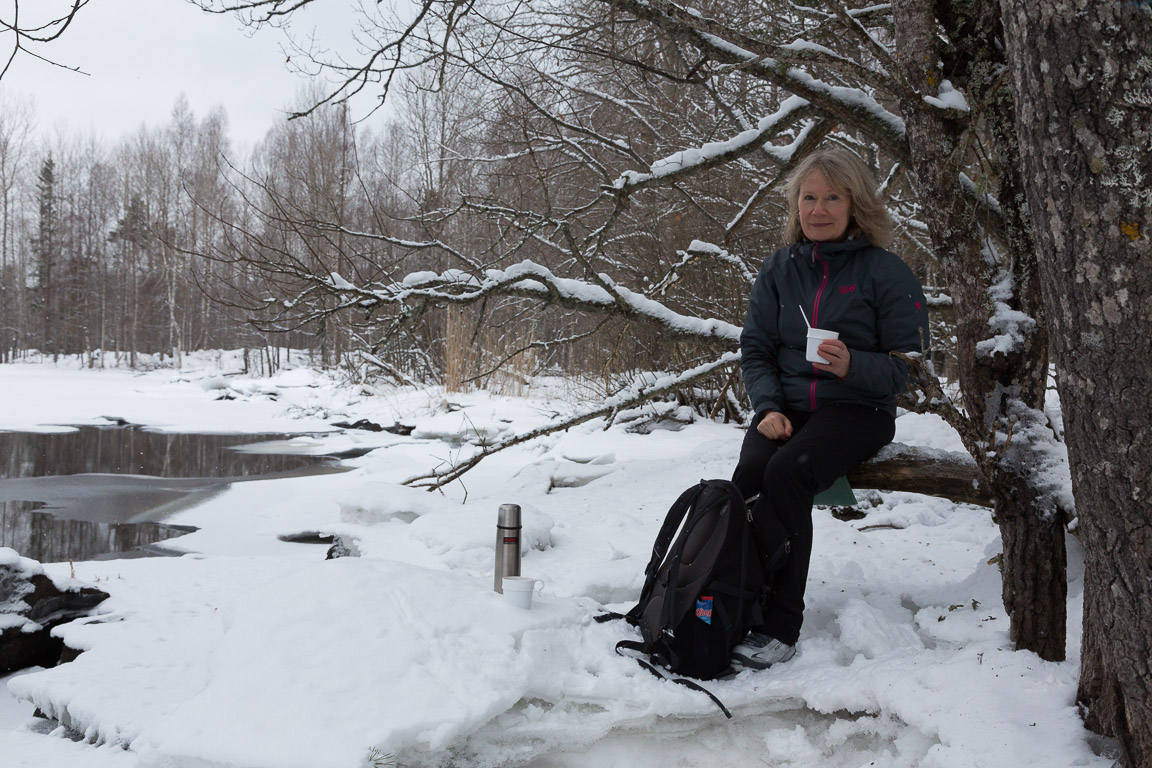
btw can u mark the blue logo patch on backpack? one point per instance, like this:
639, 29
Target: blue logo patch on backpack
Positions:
704, 609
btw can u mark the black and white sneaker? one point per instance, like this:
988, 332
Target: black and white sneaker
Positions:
760, 651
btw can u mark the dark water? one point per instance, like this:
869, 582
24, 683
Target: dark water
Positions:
134, 451
38, 534
104, 492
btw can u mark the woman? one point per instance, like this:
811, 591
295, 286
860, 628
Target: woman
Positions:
815, 421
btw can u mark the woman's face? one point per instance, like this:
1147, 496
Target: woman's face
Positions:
824, 211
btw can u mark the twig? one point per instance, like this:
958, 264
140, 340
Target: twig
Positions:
627, 399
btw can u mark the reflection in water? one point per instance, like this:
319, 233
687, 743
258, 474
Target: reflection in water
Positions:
132, 451
41, 536
101, 490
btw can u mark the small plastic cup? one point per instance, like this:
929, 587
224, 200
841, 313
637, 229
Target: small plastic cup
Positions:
815, 336
518, 590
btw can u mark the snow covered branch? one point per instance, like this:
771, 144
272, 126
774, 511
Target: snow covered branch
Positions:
687, 162
854, 106
697, 250
531, 280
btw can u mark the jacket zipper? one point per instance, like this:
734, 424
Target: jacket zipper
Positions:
815, 321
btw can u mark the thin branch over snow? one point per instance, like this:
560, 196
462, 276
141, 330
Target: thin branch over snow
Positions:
628, 398
698, 249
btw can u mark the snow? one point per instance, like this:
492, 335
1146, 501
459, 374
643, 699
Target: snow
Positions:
339, 283
247, 651
1011, 329
853, 98
699, 248
11, 560
77, 396
15, 621
948, 98
710, 151
529, 276
14, 588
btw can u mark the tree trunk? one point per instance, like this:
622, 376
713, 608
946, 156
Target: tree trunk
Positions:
1084, 113
1000, 388
1038, 599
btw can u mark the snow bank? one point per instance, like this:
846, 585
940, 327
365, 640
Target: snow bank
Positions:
250, 652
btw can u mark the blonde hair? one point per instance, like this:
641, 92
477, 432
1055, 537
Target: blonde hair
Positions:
845, 172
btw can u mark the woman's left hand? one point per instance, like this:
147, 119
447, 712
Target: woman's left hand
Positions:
838, 357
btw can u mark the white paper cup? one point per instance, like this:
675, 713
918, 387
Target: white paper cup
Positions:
518, 590
815, 336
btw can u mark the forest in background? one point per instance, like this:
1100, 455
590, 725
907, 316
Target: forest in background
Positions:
166, 240
109, 250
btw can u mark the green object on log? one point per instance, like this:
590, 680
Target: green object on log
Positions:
839, 495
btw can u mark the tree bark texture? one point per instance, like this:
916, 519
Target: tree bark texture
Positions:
1083, 77
1011, 383
899, 467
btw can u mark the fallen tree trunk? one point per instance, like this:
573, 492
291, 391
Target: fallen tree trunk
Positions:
947, 474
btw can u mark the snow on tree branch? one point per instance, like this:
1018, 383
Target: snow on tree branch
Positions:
949, 99
690, 161
1027, 446
696, 250
852, 105
1011, 328
528, 279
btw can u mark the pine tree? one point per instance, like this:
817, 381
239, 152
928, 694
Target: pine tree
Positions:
45, 248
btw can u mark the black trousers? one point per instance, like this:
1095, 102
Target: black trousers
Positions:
788, 474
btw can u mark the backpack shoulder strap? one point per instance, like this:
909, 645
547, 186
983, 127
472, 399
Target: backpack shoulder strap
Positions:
638, 653
736, 499
671, 524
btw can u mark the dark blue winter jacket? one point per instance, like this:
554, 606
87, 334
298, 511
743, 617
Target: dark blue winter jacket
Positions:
866, 294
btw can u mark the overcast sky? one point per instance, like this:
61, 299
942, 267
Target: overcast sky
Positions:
141, 54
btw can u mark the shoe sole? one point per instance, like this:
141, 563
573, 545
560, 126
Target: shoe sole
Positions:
741, 660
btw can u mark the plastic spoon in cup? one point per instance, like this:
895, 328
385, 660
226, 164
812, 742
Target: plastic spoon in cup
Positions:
804, 316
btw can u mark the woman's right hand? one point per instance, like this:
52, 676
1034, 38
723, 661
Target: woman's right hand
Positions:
775, 426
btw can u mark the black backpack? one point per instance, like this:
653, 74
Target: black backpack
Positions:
702, 595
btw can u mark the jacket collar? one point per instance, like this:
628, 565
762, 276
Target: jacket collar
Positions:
831, 250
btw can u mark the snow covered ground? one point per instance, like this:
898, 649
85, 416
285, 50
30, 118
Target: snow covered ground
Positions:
250, 652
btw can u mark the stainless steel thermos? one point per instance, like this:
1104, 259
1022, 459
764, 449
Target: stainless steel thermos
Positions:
507, 544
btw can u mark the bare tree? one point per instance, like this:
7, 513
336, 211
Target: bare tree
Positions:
615, 112
15, 151
202, 178
99, 254
33, 25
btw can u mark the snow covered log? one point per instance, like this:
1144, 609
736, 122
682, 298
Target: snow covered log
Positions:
947, 474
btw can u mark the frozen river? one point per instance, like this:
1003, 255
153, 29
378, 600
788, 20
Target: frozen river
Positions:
99, 492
